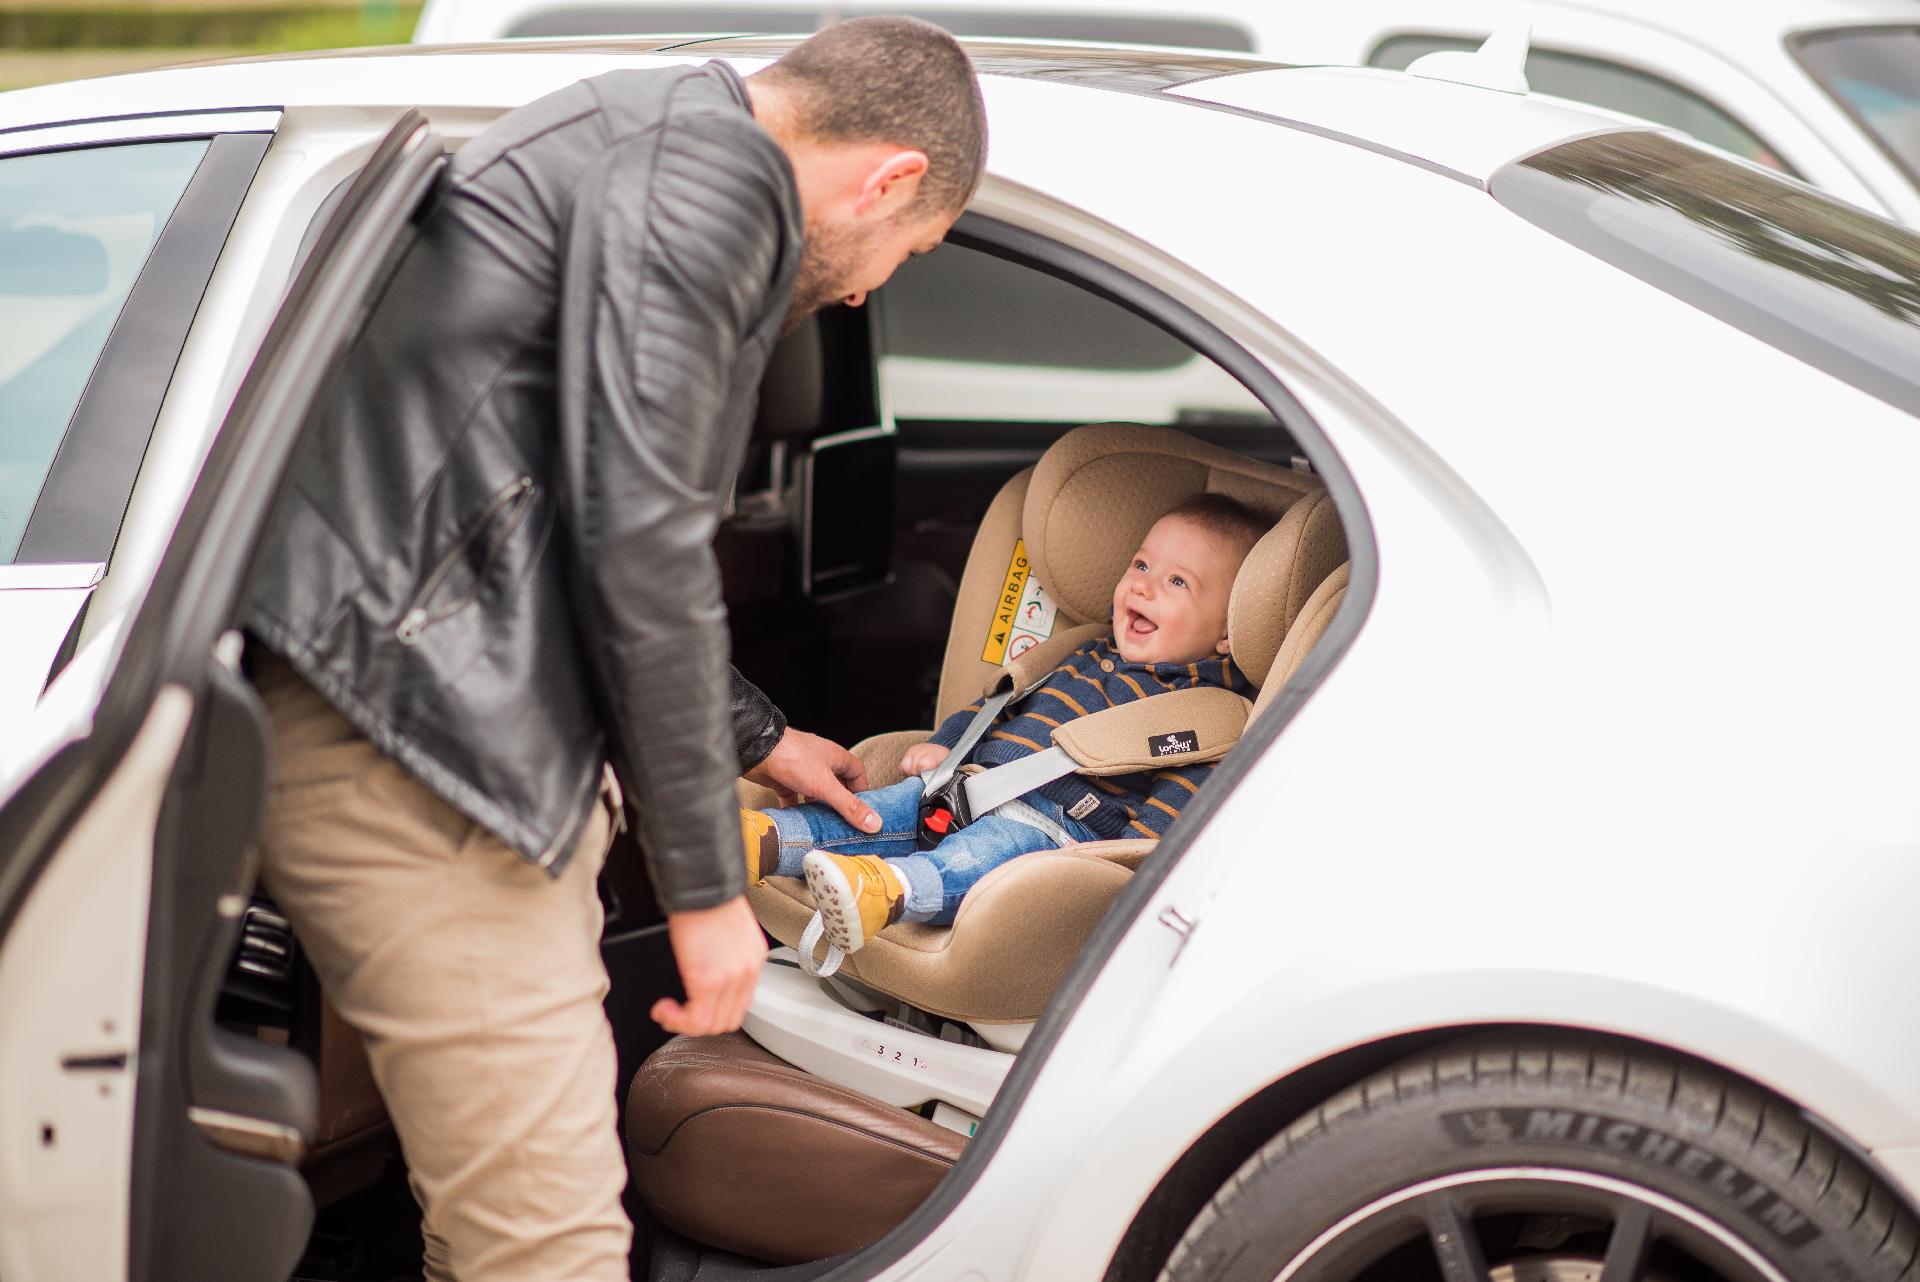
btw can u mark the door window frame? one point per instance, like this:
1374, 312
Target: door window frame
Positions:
83, 498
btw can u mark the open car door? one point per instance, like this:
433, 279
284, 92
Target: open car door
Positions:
137, 1139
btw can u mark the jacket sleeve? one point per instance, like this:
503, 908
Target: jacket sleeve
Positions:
672, 252
757, 723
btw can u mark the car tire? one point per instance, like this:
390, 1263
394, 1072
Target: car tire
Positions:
1543, 1159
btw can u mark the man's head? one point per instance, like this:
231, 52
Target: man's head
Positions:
883, 123
1171, 604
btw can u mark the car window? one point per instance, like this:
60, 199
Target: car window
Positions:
75, 229
965, 336
1820, 279
1610, 85
613, 20
1874, 73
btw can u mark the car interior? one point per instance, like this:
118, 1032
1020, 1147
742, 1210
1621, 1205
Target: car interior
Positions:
942, 487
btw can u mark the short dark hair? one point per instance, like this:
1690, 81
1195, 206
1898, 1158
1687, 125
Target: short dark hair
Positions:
894, 80
1223, 517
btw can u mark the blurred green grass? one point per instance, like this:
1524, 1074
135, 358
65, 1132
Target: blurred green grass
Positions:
45, 42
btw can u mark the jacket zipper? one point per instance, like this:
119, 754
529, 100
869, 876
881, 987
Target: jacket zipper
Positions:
514, 501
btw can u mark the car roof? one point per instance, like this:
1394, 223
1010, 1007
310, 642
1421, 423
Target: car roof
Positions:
1462, 131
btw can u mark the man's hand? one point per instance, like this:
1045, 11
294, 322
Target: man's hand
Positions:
805, 765
719, 952
921, 757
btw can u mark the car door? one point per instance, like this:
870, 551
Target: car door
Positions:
109, 232
139, 1140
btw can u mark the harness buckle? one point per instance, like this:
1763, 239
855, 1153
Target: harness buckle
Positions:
943, 810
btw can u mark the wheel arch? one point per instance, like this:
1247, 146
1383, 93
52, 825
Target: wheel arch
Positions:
1185, 1187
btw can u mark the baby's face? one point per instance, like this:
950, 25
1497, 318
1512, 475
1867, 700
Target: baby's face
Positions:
1171, 604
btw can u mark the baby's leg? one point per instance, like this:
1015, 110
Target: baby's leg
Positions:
938, 879
817, 826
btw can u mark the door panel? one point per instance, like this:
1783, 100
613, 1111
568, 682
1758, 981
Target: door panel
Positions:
208, 1189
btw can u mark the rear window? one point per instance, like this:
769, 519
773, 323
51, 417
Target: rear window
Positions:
1874, 73
1819, 279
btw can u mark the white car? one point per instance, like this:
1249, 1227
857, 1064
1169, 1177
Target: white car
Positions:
1548, 921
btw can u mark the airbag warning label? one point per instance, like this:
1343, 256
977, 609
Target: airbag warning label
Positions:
1022, 616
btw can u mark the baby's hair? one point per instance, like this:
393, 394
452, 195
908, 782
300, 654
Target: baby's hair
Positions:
1223, 517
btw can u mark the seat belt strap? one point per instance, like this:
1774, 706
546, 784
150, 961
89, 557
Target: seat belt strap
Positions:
1016, 778
943, 806
936, 778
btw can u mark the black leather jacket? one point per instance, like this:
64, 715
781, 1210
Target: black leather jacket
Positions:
496, 558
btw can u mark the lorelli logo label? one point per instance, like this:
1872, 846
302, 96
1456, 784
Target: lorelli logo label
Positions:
1174, 743
1478, 1127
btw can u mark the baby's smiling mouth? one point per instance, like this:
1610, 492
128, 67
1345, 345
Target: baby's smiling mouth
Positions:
1139, 625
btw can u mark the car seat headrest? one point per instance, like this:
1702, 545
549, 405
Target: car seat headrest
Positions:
1277, 578
1097, 491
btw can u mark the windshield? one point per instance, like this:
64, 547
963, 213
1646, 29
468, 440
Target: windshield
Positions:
1817, 278
1874, 73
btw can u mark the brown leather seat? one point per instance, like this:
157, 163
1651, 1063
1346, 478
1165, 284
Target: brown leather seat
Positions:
736, 1149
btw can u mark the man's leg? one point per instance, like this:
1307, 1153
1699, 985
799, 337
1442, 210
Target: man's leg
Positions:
476, 981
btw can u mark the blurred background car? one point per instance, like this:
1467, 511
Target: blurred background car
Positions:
1827, 90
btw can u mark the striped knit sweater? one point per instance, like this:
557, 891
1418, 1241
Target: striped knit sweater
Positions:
1093, 678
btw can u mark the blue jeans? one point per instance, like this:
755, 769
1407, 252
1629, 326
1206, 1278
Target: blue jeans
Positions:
936, 879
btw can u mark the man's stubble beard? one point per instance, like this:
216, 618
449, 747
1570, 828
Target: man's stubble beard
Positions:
825, 263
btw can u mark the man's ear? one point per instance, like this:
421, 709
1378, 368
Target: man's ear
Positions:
892, 184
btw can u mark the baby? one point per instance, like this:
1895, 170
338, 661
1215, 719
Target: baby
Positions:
1169, 633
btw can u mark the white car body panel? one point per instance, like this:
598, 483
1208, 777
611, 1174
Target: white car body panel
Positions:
1469, 131
65, 1178
1575, 522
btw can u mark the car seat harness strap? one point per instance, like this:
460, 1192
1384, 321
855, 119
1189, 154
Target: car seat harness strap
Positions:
1181, 728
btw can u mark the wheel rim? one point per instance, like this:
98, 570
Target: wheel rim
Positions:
1486, 1226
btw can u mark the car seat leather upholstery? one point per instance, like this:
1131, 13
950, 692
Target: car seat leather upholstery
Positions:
1082, 510
725, 1140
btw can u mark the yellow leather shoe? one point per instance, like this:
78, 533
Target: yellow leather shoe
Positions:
857, 896
762, 841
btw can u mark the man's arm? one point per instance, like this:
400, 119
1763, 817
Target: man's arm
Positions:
672, 245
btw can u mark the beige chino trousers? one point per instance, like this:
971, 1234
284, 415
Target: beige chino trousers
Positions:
475, 980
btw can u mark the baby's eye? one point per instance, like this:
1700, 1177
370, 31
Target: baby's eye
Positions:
1177, 580
1139, 565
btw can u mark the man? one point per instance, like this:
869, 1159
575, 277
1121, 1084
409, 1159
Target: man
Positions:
494, 574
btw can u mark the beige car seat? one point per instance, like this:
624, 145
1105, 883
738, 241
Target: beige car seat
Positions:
716, 1126
1052, 546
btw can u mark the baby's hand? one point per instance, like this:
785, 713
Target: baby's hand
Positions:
921, 757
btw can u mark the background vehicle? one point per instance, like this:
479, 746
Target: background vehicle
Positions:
1512, 934
1828, 90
